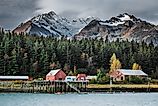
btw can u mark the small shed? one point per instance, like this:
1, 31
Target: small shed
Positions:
71, 78
122, 74
55, 75
81, 77
14, 78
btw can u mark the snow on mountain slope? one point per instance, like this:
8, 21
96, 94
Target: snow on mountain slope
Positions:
53, 24
121, 27
121, 19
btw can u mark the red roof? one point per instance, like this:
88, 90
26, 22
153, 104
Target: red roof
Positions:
81, 75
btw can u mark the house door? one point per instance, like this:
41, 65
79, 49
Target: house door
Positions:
60, 79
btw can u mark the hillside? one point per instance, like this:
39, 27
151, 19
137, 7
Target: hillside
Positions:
35, 55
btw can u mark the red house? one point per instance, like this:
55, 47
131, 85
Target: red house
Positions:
55, 75
81, 77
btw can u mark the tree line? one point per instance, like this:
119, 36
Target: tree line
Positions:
35, 56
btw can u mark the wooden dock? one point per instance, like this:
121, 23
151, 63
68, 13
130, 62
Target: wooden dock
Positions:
43, 86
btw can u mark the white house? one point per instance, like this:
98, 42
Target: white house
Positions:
14, 77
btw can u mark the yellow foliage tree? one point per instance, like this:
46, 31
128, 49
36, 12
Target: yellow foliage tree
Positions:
136, 66
115, 63
113, 58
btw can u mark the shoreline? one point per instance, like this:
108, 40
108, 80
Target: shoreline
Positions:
94, 88
123, 87
63, 93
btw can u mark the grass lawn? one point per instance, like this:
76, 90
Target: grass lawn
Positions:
122, 86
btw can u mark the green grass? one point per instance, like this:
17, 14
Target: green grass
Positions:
122, 86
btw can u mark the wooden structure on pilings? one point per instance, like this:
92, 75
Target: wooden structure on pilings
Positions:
43, 86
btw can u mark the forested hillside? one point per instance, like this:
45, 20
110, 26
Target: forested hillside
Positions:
35, 56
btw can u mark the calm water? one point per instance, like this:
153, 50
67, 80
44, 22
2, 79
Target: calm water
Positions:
122, 99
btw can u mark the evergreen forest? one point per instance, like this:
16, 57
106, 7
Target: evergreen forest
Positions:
35, 56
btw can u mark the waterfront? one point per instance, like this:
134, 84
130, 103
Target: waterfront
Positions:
116, 99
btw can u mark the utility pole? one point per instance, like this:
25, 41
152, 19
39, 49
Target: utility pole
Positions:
148, 89
110, 84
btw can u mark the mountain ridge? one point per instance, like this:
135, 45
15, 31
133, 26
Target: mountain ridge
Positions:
123, 27
52, 24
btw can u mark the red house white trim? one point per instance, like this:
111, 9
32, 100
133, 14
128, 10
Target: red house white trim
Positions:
55, 75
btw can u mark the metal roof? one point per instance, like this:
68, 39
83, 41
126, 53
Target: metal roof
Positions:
71, 77
14, 77
91, 77
53, 72
132, 72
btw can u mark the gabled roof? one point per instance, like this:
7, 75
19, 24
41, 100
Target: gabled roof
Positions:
81, 75
15, 77
132, 72
53, 72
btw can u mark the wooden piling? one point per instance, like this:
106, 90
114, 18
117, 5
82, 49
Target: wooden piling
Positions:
44, 86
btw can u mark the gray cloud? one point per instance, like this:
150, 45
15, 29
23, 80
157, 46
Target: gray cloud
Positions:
12, 12
146, 9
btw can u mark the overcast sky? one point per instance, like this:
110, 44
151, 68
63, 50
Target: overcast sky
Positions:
13, 12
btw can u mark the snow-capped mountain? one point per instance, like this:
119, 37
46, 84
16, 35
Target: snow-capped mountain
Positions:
52, 24
122, 27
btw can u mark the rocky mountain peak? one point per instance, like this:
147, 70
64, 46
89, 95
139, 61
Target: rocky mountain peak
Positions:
52, 13
121, 19
123, 27
126, 17
53, 24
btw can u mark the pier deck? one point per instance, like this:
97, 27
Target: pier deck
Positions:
43, 86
